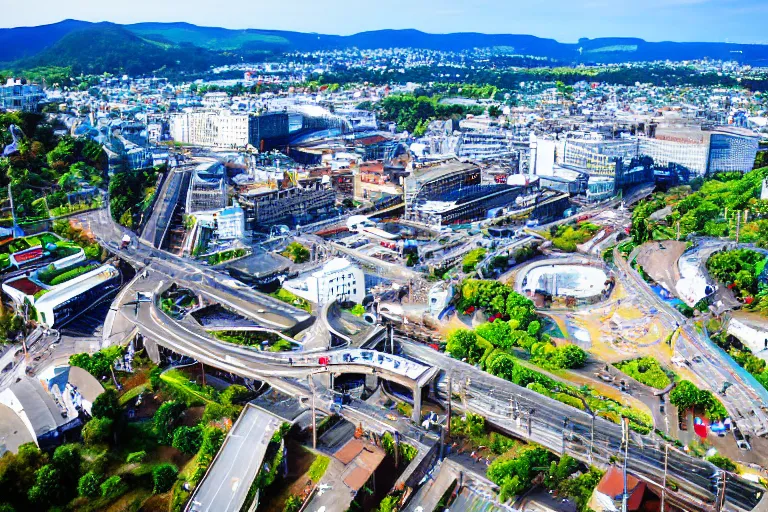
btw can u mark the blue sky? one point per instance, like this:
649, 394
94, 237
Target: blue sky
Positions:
565, 20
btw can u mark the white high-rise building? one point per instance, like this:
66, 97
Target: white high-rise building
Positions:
220, 128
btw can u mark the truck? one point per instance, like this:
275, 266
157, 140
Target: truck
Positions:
125, 242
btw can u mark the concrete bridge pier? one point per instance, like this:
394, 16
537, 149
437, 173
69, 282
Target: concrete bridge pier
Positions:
153, 351
416, 414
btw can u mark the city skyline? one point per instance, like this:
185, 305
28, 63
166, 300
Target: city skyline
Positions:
655, 20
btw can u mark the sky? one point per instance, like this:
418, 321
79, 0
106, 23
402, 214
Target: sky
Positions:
740, 21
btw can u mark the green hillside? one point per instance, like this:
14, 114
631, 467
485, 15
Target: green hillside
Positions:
206, 37
117, 50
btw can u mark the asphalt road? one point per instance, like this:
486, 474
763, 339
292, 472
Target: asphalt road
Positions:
201, 278
226, 484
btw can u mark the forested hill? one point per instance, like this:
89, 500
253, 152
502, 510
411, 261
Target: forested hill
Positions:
149, 47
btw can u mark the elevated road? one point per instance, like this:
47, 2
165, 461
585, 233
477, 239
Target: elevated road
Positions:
227, 481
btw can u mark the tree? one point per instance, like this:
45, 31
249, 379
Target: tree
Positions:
234, 394
685, 395
112, 486
164, 420
560, 470
67, 459
88, 485
570, 356
48, 488
106, 405
18, 472
462, 344
722, 462
502, 366
96, 431
582, 487
497, 332
188, 439
293, 503
389, 503
163, 477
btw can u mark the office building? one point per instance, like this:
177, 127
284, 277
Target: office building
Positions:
732, 150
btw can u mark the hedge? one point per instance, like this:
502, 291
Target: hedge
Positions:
71, 274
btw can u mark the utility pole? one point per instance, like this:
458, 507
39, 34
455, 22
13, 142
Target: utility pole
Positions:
722, 491
592, 438
314, 418
530, 418
625, 441
738, 226
24, 338
664, 483
450, 398
678, 230
202, 372
13, 211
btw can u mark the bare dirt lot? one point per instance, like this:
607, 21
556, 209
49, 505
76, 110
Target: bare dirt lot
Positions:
659, 260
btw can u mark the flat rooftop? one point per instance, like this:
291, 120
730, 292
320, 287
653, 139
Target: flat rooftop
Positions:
432, 173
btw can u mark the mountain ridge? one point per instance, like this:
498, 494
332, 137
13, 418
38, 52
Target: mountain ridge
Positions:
22, 46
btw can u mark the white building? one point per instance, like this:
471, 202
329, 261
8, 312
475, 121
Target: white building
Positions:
219, 128
228, 223
215, 99
338, 279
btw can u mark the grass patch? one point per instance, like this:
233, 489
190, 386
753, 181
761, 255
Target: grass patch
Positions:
189, 391
646, 370
224, 256
132, 393
318, 468
293, 299
567, 237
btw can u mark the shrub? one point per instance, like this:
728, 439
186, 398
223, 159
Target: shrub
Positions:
293, 503
163, 477
188, 439
646, 370
472, 258
165, 419
71, 274
136, 457
112, 487
97, 431
722, 462
88, 485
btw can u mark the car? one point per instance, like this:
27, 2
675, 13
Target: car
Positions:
696, 359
